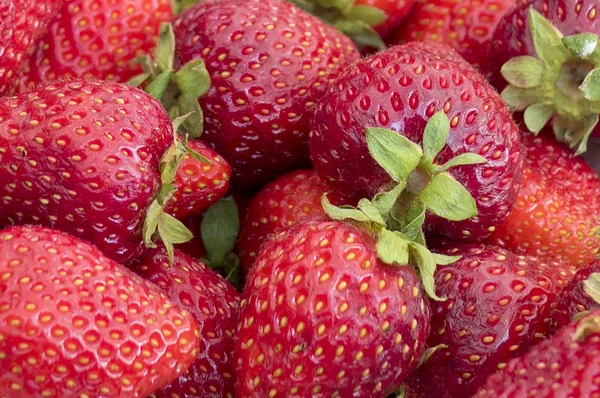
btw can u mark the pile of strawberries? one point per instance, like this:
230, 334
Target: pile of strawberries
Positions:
303, 198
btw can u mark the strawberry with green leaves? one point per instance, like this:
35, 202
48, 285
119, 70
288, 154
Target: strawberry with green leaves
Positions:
579, 295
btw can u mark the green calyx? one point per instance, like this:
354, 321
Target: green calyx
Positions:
397, 214
178, 90
356, 21
561, 84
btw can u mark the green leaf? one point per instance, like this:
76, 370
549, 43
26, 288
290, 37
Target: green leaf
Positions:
447, 198
342, 213
518, 99
194, 124
414, 220
582, 44
220, 227
147, 64
165, 49
435, 136
430, 352
524, 71
465, 159
395, 153
363, 35
370, 211
136, 81
592, 286
197, 156
170, 162
370, 15
384, 201
172, 230
392, 247
442, 259
591, 85
589, 123
193, 78
151, 223
159, 85
178, 121
547, 40
341, 5
536, 116
426, 264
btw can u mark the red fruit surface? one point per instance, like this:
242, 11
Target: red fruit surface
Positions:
498, 305
198, 185
566, 365
75, 323
97, 39
22, 24
289, 199
322, 316
573, 299
400, 89
557, 213
215, 305
83, 157
269, 63
395, 11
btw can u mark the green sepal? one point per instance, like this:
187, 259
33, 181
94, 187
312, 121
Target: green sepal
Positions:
413, 220
342, 212
392, 247
524, 71
425, 262
158, 86
518, 99
591, 286
193, 78
220, 228
138, 80
547, 40
591, 85
444, 196
395, 153
536, 116
587, 326
576, 135
341, 5
582, 44
442, 259
146, 63
465, 159
363, 35
372, 16
429, 352
165, 49
194, 124
435, 136
371, 211
171, 232
385, 201
151, 223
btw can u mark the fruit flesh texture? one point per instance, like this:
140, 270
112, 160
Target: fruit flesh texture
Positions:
75, 323
83, 157
322, 314
269, 62
400, 89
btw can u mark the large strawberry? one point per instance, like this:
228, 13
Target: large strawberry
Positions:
98, 39
76, 324
215, 305
498, 304
401, 89
557, 213
547, 50
579, 296
22, 24
84, 157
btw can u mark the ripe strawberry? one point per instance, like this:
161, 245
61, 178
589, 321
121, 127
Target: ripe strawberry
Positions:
83, 157
76, 324
498, 304
322, 315
22, 24
400, 89
557, 213
97, 40
575, 298
563, 366
215, 305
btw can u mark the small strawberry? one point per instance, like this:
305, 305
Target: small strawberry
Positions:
557, 213
564, 366
22, 24
578, 295
498, 304
215, 305
98, 39
76, 324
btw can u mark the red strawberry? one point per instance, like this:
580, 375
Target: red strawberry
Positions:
557, 213
498, 304
76, 324
574, 298
83, 157
323, 316
215, 305
98, 39
22, 24
401, 89
563, 366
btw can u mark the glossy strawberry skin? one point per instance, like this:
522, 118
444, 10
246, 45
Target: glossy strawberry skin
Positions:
75, 323
215, 305
269, 62
198, 185
320, 314
97, 39
400, 89
557, 213
395, 11
498, 305
22, 24
563, 366
83, 157
573, 299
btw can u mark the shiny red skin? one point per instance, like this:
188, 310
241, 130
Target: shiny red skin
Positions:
83, 157
22, 24
481, 330
321, 314
269, 63
573, 299
400, 89
289, 199
97, 39
395, 11
215, 305
557, 213
198, 185
563, 366
75, 323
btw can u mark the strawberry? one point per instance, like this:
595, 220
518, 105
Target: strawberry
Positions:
98, 39
563, 366
77, 324
22, 24
498, 304
577, 296
401, 89
215, 306
547, 52
84, 157
557, 213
